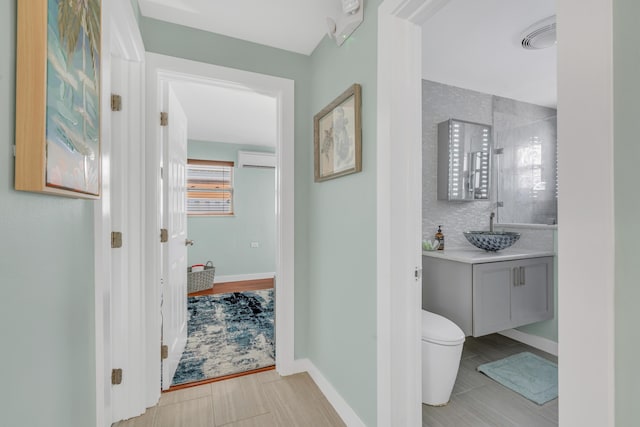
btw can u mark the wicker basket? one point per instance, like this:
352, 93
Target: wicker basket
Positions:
200, 280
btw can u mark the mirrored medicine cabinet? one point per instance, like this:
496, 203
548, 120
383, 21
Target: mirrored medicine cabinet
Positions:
464, 160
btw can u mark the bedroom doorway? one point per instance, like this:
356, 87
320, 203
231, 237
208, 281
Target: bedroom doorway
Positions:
164, 71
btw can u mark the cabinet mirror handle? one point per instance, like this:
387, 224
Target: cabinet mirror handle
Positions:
522, 275
515, 276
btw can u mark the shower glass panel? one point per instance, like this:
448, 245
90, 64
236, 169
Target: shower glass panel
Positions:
526, 164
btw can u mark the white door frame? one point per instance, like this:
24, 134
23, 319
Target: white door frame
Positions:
121, 38
399, 212
161, 69
586, 278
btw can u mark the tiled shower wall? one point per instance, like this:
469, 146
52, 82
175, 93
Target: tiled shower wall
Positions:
439, 103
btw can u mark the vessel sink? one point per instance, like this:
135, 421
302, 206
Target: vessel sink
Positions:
491, 241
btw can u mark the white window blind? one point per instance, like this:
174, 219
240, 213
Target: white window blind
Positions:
209, 187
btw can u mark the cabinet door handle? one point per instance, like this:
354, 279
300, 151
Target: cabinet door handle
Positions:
515, 276
522, 275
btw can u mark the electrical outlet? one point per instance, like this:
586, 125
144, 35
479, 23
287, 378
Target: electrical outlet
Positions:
255, 244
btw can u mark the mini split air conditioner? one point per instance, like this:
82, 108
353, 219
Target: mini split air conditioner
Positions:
256, 159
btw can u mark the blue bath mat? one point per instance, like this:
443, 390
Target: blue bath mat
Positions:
527, 374
227, 334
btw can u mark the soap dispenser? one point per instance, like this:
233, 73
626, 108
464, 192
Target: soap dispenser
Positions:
440, 238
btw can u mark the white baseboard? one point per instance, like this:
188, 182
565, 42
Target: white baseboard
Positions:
348, 415
242, 277
540, 343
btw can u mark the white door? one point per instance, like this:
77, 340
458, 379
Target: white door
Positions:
125, 187
119, 256
174, 286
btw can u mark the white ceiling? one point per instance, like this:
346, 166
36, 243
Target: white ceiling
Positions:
476, 45
468, 43
228, 115
295, 25
236, 116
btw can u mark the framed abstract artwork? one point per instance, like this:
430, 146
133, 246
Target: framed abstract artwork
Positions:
58, 97
337, 136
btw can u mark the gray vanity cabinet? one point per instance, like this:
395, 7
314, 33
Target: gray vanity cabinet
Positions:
508, 294
489, 297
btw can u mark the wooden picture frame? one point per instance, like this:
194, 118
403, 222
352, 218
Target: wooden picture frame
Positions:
337, 136
58, 97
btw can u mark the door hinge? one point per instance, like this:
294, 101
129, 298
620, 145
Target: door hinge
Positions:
116, 239
164, 235
164, 352
164, 119
116, 102
417, 273
116, 376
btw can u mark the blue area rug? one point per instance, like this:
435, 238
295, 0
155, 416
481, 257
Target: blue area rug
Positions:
227, 334
527, 374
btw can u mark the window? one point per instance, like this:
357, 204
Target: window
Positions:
209, 187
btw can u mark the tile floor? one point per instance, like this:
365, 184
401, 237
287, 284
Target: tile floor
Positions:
269, 400
478, 401
259, 400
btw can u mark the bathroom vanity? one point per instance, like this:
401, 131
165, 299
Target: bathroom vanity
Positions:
486, 292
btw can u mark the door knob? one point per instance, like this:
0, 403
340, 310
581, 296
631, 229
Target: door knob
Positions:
188, 242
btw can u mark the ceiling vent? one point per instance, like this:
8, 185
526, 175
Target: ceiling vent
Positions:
540, 35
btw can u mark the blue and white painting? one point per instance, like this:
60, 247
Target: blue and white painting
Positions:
73, 95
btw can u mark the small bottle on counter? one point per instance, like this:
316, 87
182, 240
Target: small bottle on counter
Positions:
440, 238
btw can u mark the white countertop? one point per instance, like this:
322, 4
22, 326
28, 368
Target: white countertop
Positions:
478, 256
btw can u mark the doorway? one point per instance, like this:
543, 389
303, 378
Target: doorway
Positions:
583, 80
231, 223
163, 71
479, 71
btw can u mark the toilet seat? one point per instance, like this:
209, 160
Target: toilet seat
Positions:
440, 330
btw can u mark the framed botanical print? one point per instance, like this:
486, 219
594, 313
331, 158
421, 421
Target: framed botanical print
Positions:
337, 131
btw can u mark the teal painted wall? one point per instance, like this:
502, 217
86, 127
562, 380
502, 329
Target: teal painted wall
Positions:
227, 240
342, 231
46, 274
183, 42
626, 59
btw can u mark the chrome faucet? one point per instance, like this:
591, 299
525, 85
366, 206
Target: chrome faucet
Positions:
491, 217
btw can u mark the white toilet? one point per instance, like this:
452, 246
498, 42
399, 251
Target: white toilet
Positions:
442, 342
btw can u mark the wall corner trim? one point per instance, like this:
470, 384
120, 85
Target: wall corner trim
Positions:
343, 409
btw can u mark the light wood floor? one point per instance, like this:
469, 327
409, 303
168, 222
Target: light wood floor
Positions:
260, 400
245, 285
478, 401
